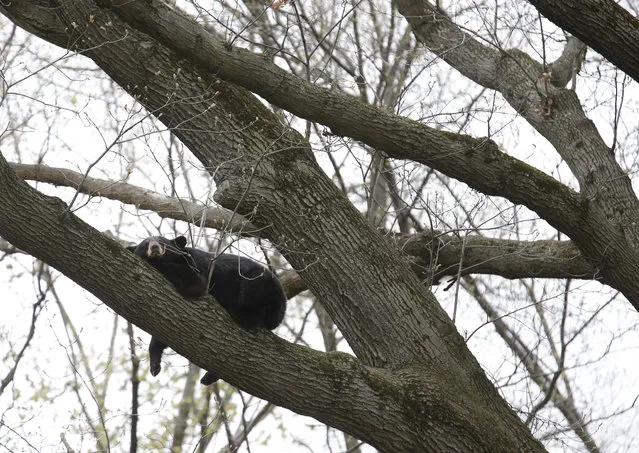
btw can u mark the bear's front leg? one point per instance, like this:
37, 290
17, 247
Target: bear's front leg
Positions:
209, 378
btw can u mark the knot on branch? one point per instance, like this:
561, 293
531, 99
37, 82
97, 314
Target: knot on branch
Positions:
488, 149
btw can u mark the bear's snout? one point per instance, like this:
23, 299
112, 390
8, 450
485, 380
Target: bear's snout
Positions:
155, 249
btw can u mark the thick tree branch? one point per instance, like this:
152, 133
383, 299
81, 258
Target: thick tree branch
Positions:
602, 24
482, 255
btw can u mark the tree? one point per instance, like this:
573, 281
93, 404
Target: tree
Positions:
412, 383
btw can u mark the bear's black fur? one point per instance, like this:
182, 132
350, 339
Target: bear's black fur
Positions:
251, 293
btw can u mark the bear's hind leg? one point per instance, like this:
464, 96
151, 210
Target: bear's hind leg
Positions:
155, 355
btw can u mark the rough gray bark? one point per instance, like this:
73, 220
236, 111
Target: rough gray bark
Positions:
602, 24
414, 387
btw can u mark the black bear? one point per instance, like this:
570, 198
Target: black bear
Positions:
251, 293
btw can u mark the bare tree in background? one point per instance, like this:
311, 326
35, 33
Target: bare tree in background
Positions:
398, 151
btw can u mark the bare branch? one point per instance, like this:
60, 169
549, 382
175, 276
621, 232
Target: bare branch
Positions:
534, 366
135, 385
36, 309
184, 408
565, 68
168, 207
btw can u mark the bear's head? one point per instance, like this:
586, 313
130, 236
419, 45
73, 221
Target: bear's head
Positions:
156, 247
169, 256
173, 259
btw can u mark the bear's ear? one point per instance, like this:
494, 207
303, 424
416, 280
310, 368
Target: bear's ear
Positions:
180, 241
